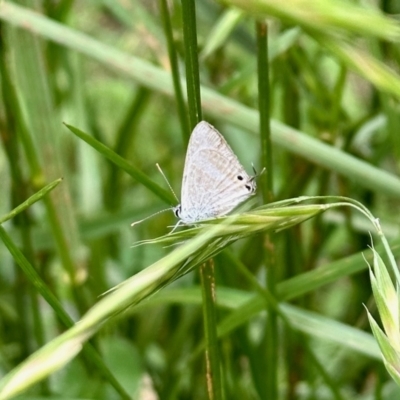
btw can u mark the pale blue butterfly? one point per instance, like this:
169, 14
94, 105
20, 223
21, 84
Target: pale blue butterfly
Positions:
214, 182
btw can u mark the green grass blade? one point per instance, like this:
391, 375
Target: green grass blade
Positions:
42, 288
325, 15
307, 322
33, 199
124, 165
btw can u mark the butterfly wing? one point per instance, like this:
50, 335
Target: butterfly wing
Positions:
214, 181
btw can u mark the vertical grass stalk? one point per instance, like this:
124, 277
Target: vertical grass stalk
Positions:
207, 271
191, 62
207, 275
271, 329
176, 79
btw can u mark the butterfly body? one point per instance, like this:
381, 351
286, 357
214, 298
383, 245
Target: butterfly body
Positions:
214, 182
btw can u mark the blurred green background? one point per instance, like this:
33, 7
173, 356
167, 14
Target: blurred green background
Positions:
103, 67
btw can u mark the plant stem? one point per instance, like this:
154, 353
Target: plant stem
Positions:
176, 79
191, 61
270, 342
214, 386
207, 271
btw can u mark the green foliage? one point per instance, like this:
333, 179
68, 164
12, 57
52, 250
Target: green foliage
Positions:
88, 95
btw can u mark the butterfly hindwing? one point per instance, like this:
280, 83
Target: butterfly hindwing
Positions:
214, 181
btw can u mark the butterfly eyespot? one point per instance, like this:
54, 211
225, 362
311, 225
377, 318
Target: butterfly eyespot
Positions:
248, 187
240, 177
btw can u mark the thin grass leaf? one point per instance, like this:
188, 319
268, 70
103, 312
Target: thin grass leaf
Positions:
310, 323
325, 15
33, 199
385, 310
386, 299
124, 165
388, 352
394, 373
331, 330
43, 289
368, 66
220, 32
276, 48
173, 59
40, 368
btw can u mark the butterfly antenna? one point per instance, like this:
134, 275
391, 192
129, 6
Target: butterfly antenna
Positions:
150, 216
166, 180
256, 175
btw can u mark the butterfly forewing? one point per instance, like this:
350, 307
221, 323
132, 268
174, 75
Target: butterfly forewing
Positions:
214, 181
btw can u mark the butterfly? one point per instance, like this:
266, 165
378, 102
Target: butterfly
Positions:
214, 182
